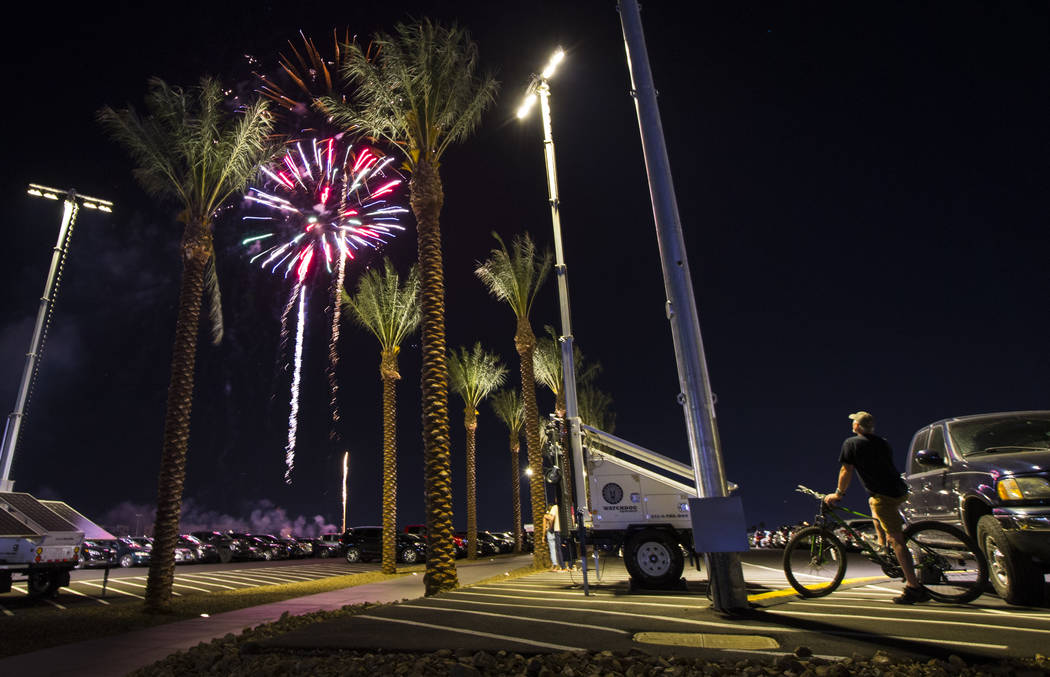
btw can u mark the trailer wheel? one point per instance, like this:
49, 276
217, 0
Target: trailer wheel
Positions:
43, 583
653, 558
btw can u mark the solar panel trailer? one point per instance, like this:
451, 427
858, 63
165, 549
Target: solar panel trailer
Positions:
36, 542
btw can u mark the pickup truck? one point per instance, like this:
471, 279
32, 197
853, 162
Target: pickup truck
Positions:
990, 475
37, 542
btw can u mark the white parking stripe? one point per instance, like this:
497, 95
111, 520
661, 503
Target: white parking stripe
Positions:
913, 638
968, 624
112, 589
601, 628
6, 610
958, 611
77, 592
259, 579
670, 619
579, 595
476, 633
191, 587
194, 577
25, 591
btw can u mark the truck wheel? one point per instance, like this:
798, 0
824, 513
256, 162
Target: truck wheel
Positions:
126, 560
653, 558
1013, 574
353, 555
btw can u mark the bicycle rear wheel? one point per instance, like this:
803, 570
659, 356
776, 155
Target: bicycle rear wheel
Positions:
814, 562
948, 562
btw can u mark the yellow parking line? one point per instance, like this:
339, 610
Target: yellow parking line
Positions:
787, 592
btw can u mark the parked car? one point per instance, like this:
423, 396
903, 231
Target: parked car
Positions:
95, 554
298, 548
486, 546
458, 541
206, 552
258, 547
143, 541
280, 549
989, 474
227, 547
364, 544
503, 545
126, 552
328, 545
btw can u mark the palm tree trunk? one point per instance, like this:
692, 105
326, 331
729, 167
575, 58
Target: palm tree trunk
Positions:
470, 422
516, 492
426, 200
525, 344
196, 250
390, 376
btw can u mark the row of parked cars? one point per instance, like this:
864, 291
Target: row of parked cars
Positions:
203, 547
364, 544
359, 544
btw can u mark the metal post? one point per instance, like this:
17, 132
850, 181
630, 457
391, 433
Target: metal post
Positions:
724, 571
14, 419
568, 369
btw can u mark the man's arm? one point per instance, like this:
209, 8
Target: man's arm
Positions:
845, 475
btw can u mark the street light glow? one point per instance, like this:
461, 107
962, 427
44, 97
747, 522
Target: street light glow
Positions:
552, 65
528, 471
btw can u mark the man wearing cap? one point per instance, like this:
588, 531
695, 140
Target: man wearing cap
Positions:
872, 458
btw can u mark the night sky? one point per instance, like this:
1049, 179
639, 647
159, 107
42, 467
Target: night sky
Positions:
862, 189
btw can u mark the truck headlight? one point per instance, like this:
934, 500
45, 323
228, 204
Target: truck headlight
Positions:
1021, 488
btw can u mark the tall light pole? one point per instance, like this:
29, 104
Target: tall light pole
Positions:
539, 88
726, 577
71, 203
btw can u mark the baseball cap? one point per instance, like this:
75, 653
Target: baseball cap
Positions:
863, 418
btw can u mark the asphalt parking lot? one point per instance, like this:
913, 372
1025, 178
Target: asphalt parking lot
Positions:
91, 587
548, 612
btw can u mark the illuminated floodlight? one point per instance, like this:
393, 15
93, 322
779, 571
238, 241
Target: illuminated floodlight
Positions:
526, 105
552, 65
528, 471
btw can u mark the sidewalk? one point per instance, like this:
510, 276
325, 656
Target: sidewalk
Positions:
120, 654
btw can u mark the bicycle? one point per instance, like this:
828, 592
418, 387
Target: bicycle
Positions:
948, 563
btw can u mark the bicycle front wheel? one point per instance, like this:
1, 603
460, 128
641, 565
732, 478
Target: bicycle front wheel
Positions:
948, 563
814, 562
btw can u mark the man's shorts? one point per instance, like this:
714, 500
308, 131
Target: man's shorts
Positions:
887, 509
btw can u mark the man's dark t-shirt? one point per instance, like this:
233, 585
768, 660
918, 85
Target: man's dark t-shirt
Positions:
872, 457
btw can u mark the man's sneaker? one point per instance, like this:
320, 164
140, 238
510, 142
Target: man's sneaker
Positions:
912, 595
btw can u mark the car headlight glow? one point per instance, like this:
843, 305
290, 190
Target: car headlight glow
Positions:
1021, 488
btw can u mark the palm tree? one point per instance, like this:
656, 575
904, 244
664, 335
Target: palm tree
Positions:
596, 408
422, 93
390, 310
473, 375
507, 406
187, 149
515, 277
548, 365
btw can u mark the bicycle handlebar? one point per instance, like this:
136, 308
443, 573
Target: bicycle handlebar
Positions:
809, 492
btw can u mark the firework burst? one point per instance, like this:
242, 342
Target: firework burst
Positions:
319, 206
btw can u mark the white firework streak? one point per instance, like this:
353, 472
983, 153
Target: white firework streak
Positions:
293, 417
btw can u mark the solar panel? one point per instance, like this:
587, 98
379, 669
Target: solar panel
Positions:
11, 526
36, 511
66, 512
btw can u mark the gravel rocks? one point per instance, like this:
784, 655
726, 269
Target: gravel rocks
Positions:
244, 655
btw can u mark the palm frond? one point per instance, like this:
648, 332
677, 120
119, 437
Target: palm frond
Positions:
386, 306
187, 148
474, 374
507, 406
596, 408
421, 91
515, 276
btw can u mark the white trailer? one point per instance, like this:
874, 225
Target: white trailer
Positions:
639, 502
37, 542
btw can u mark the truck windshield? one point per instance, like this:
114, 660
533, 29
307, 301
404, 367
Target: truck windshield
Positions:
1008, 434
